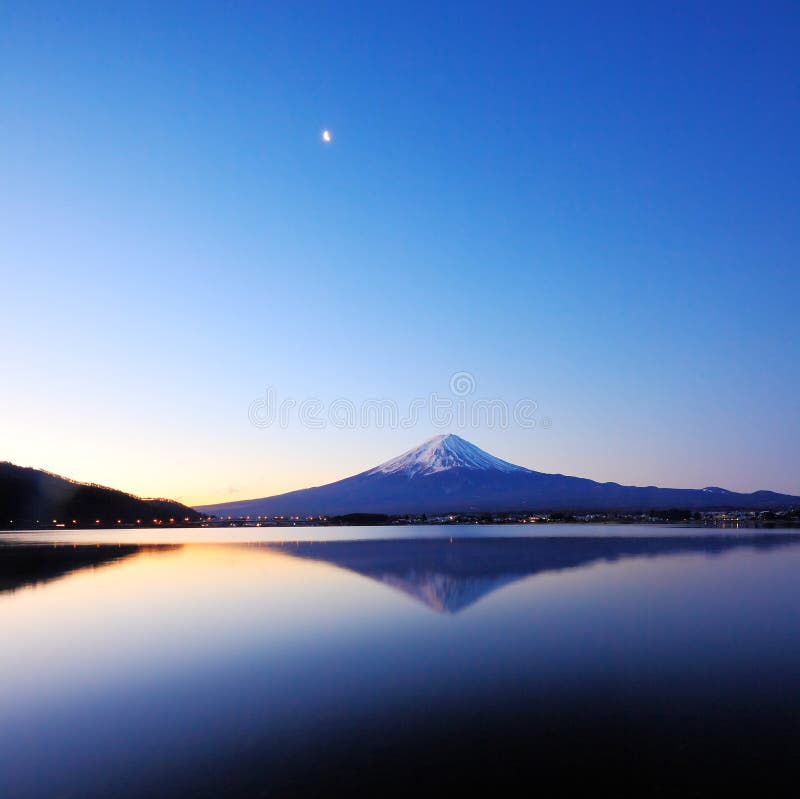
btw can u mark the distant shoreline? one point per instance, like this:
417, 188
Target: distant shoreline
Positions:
785, 522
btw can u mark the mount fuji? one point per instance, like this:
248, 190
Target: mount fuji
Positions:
447, 474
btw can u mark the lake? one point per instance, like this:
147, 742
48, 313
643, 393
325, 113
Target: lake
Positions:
304, 661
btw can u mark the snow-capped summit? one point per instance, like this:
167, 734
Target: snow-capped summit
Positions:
440, 453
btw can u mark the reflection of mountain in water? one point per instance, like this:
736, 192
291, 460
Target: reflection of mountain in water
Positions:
450, 575
40, 563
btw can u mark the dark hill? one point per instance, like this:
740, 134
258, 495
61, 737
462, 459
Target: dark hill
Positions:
31, 498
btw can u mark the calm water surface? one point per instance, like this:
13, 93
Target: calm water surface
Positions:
221, 663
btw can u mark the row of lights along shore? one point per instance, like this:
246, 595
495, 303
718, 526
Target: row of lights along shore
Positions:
119, 521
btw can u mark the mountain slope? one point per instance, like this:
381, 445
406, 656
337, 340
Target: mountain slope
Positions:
448, 474
34, 498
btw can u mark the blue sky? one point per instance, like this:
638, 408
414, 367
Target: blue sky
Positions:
593, 205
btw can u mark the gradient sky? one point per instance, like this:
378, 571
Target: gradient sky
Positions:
593, 205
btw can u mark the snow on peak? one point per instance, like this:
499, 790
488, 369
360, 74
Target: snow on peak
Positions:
441, 453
